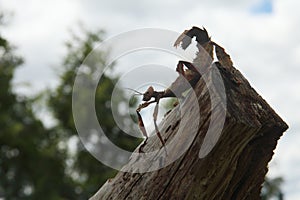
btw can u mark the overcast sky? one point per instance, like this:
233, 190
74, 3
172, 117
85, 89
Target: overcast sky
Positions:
262, 37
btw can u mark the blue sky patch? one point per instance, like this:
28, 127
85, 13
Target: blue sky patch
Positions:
263, 6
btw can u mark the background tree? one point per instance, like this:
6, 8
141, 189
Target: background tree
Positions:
31, 165
271, 189
85, 169
35, 162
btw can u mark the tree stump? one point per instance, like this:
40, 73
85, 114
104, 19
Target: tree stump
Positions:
236, 165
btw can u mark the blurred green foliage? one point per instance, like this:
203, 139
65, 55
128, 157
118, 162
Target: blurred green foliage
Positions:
90, 173
35, 161
272, 189
31, 165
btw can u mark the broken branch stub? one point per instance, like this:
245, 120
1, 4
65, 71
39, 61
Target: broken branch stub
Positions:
233, 168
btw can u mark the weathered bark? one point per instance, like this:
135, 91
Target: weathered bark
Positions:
236, 166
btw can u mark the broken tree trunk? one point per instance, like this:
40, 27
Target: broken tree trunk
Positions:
229, 165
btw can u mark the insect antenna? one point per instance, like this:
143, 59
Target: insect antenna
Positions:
137, 92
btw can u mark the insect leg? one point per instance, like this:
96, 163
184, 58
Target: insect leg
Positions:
179, 68
141, 124
142, 128
155, 113
189, 65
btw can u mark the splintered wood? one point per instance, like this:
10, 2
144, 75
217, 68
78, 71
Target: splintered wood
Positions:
236, 165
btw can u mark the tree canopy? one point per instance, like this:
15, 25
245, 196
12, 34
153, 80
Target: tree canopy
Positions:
31, 165
35, 161
90, 172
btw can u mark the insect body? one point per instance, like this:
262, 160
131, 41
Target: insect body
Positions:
191, 75
202, 61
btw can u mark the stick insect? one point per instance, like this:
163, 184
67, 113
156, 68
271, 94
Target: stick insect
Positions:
191, 74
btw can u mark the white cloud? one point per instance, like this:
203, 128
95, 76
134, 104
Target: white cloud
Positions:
38, 29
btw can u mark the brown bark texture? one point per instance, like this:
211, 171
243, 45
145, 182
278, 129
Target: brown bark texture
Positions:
229, 165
